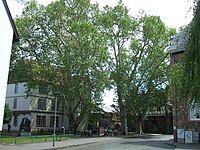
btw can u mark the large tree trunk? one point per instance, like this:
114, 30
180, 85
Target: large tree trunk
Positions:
140, 127
123, 117
71, 123
139, 124
74, 121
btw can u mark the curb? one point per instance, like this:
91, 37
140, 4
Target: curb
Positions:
54, 148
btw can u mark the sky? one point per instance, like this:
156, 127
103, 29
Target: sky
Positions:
174, 13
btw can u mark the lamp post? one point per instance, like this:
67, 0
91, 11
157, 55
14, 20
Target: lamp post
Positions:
54, 127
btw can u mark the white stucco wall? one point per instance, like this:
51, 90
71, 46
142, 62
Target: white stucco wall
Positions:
16, 127
5, 51
30, 104
23, 102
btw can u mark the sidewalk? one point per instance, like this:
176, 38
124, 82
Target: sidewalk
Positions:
184, 146
58, 144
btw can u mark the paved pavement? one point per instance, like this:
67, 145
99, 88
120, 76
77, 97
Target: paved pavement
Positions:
184, 146
147, 142
86, 141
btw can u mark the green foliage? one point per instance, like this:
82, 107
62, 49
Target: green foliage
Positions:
137, 61
118, 28
80, 50
148, 75
192, 61
61, 46
7, 114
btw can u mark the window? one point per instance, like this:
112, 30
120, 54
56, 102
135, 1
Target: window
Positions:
53, 102
195, 112
16, 88
15, 103
176, 57
15, 122
40, 121
43, 89
42, 104
53, 105
52, 121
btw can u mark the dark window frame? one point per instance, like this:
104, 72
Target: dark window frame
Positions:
15, 103
42, 104
16, 89
51, 124
15, 120
40, 121
43, 89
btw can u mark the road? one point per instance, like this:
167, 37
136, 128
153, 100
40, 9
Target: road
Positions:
151, 142
134, 142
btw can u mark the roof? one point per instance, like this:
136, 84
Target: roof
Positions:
15, 34
178, 43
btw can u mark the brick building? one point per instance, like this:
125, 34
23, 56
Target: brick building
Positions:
186, 119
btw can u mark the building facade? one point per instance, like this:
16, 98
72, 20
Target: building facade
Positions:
38, 107
8, 36
186, 118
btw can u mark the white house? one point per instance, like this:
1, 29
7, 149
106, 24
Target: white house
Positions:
8, 36
37, 106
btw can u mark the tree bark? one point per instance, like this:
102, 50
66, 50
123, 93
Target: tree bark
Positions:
123, 117
140, 127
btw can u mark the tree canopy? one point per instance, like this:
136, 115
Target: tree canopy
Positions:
185, 73
61, 46
80, 50
191, 64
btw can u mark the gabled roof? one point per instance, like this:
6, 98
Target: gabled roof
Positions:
15, 34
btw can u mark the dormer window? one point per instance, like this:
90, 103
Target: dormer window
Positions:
16, 88
43, 89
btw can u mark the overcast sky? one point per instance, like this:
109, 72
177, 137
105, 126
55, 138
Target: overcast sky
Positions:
174, 13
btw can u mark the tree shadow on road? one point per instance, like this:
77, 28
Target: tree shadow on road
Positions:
142, 136
151, 143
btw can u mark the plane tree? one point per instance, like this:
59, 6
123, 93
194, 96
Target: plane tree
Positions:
147, 69
138, 62
118, 27
61, 46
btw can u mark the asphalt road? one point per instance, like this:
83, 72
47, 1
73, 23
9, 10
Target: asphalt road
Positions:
135, 143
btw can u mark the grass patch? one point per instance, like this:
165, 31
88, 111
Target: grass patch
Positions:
7, 140
30, 139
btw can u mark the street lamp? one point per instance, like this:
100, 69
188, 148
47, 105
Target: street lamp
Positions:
54, 127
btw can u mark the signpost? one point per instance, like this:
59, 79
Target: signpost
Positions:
54, 127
